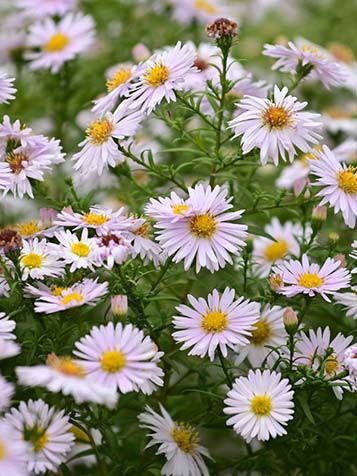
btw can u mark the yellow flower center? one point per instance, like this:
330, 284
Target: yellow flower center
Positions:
112, 361
185, 437
261, 405
157, 75
276, 250
28, 229
179, 208
80, 249
94, 219
260, 333
214, 321
99, 131
41, 441
57, 290
58, 42
143, 230
310, 156
66, 366
205, 6
277, 117
313, 50
70, 297
32, 260
122, 75
331, 365
2, 451
79, 434
203, 226
15, 161
347, 181
37, 436
310, 280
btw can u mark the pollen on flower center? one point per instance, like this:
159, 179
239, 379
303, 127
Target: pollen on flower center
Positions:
310, 280
68, 298
16, 161
261, 405
40, 440
214, 321
80, 249
185, 437
122, 75
57, 290
29, 228
99, 131
205, 6
203, 226
276, 250
58, 42
276, 117
347, 181
143, 230
94, 219
313, 50
260, 333
32, 260
157, 75
2, 452
65, 365
179, 208
112, 361
331, 365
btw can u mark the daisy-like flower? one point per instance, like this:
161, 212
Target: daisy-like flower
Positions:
167, 208
37, 260
203, 11
66, 375
323, 66
120, 357
349, 300
179, 443
13, 452
99, 150
44, 8
7, 90
278, 126
220, 321
7, 327
260, 404
339, 183
163, 75
311, 279
43, 227
316, 349
47, 432
112, 249
350, 363
267, 252
55, 299
207, 233
59, 42
7, 390
139, 233
268, 332
78, 252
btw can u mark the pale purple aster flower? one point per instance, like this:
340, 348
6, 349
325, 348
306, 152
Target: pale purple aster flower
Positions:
13, 450
7, 89
7, 391
120, 357
311, 279
220, 321
59, 42
7, 327
339, 183
139, 234
43, 8
112, 249
277, 126
38, 260
349, 301
163, 74
350, 364
260, 405
324, 67
207, 233
171, 208
50, 440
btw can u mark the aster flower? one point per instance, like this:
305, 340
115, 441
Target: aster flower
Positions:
207, 233
7, 89
304, 53
268, 332
43, 227
139, 234
59, 42
7, 327
55, 299
163, 75
13, 452
112, 249
339, 183
78, 252
37, 260
349, 301
260, 404
179, 443
221, 321
202, 11
99, 149
66, 375
46, 430
167, 208
44, 8
120, 357
350, 364
267, 252
7, 390
277, 126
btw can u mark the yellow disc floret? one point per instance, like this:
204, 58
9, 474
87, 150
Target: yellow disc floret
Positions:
122, 75
99, 131
260, 333
277, 117
185, 437
261, 405
276, 250
214, 321
347, 181
80, 249
310, 280
94, 219
32, 260
203, 226
70, 297
157, 75
57, 42
112, 361
179, 208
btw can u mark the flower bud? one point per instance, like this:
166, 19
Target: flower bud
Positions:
140, 52
119, 305
299, 185
276, 282
341, 258
333, 238
319, 213
291, 321
222, 28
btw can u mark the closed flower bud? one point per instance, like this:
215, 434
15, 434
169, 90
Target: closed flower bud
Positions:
333, 238
119, 305
291, 321
341, 258
319, 213
140, 52
276, 282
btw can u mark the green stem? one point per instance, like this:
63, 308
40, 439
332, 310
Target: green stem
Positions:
224, 368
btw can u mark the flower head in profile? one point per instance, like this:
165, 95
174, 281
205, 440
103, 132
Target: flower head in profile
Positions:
7, 90
277, 126
207, 234
220, 321
179, 443
311, 279
201, 11
7, 391
260, 405
56, 43
163, 75
140, 235
120, 357
13, 451
47, 432
37, 260
349, 301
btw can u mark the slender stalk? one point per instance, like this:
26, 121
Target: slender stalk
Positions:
224, 368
